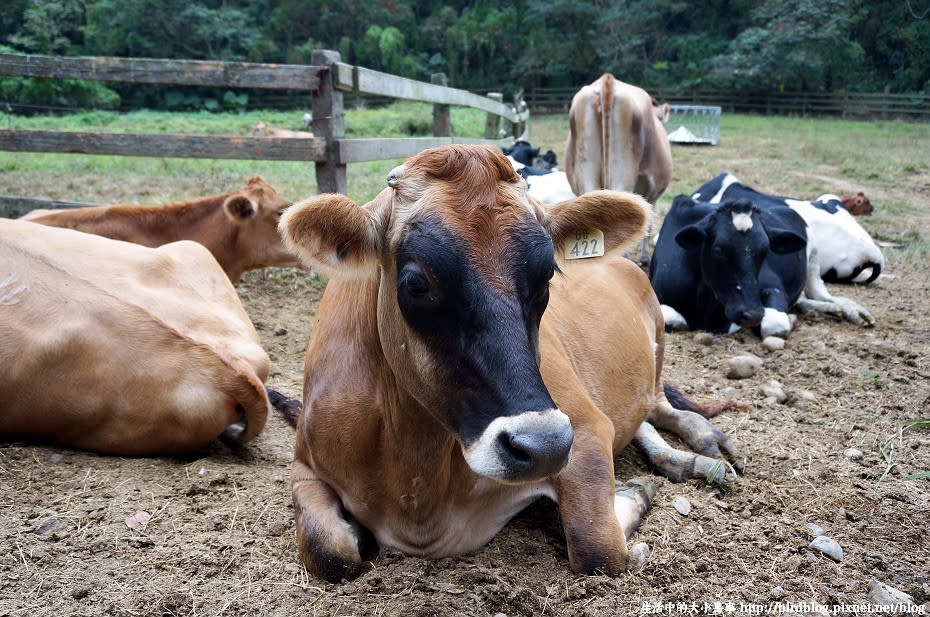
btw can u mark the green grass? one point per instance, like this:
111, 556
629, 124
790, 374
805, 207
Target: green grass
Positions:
798, 157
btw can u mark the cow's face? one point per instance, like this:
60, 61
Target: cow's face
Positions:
256, 211
730, 245
464, 260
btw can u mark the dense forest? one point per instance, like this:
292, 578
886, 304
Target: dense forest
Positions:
809, 45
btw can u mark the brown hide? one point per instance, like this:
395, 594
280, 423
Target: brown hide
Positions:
239, 228
617, 140
121, 349
366, 444
858, 204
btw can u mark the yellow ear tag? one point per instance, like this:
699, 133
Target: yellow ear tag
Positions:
585, 244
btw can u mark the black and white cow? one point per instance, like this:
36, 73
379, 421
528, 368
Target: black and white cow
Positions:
731, 265
549, 186
847, 252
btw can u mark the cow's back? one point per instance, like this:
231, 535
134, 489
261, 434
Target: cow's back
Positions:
603, 328
616, 141
122, 349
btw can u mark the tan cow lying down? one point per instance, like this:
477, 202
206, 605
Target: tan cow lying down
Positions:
239, 228
440, 399
617, 140
121, 349
263, 129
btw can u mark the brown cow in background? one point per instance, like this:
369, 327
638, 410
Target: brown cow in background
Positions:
239, 228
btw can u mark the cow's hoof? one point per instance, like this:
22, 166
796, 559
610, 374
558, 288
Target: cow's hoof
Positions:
637, 556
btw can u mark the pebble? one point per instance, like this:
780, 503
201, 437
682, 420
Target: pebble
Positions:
637, 556
816, 529
853, 454
48, 526
57, 458
741, 367
280, 330
818, 345
778, 592
706, 338
827, 546
774, 390
883, 595
773, 343
682, 505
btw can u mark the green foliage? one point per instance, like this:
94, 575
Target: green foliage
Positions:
492, 44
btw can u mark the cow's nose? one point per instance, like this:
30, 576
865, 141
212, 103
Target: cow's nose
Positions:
538, 454
749, 318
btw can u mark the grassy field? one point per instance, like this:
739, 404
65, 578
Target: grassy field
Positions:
798, 157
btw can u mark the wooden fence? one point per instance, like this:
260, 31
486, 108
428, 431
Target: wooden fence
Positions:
325, 80
845, 104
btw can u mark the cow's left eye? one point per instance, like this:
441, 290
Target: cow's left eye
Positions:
718, 254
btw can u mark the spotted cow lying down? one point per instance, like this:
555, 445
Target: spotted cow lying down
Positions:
121, 349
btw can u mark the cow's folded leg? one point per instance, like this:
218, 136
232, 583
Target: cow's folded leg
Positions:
678, 465
331, 546
696, 430
594, 532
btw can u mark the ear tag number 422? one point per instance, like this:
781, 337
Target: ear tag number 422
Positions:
585, 244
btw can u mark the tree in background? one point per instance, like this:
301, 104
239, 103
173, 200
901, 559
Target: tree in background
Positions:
793, 44
497, 44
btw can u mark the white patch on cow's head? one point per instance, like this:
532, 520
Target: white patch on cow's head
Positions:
742, 221
484, 456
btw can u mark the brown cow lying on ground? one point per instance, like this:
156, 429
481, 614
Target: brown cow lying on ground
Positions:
239, 228
858, 204
263, 129
441, 395
617, 140
122, 349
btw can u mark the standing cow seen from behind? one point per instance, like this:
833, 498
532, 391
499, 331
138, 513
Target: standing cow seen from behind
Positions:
617, 141
462, 365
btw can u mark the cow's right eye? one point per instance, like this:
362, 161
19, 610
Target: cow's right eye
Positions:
718, 254
414, 283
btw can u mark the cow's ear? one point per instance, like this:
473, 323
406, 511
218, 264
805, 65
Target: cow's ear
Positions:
785, 241
336, 235
781, 226
239, 208
691, 237
622, 217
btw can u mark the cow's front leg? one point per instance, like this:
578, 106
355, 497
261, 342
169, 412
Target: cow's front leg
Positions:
817, 298
330, 546
596, 518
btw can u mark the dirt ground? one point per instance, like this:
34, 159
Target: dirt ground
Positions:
220, 537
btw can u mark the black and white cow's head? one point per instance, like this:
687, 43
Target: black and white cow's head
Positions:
730, 246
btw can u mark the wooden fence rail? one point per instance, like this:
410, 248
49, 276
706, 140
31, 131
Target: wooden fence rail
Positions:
325, 80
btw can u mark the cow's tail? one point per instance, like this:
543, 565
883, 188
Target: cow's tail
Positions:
678, 400
288, 407
607, 103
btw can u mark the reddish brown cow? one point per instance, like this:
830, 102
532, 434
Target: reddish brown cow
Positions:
441, 395
239, 228
858, 204
122, 349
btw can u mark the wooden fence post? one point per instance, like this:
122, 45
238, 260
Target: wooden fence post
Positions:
442, 119
493, 123
329, 123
